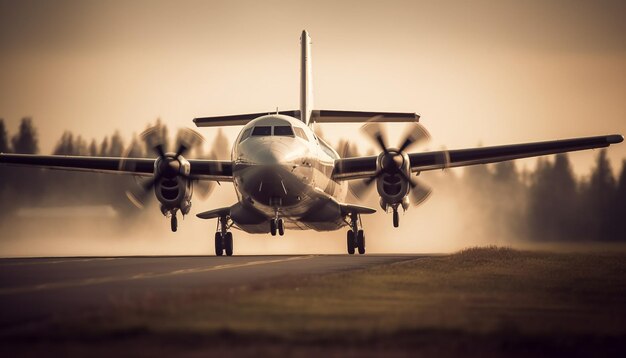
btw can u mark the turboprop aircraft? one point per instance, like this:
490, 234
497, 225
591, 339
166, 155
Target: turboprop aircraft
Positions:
288, 178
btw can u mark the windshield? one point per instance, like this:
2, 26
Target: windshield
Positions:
283, 130
262, 131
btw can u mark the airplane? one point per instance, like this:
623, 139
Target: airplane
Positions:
288, 178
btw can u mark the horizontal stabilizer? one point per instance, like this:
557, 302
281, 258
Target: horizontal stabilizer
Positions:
237, 119
330, 116
319, 116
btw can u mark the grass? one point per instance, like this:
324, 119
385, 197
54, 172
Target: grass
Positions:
480, 300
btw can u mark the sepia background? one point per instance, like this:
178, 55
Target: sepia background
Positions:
479, 73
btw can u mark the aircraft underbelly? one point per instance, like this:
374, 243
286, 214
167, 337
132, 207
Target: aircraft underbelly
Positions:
289, 191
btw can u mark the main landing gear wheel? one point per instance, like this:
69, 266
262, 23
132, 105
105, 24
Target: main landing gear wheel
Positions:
228, 243
174, 223
396, 218
351, 242
219, 244
281, 227
273, 227
360, 242
224, 244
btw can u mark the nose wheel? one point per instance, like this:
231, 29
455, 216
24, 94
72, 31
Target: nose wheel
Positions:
277, 225
396, 218
174, 222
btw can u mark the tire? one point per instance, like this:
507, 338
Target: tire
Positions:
228, 243
219, 246
360, 242
350, 242
174, 223
396, 218
281, 227
273, 227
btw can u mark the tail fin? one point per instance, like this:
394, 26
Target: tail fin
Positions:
306, 78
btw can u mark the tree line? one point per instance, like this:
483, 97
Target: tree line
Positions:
548, 203
22, 187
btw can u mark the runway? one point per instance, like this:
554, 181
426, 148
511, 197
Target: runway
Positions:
34, 290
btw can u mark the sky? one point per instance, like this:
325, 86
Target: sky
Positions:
478, 72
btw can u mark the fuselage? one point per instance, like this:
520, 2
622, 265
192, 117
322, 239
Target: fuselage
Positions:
282, 169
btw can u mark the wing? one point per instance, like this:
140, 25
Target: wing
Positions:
200, 169
363, 167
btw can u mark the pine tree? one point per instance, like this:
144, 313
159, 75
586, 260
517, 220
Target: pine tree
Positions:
599, 198
135, 148
80, 146
117, 145
221, 146
5, 178
25, 141
552, 200
507, 199
93, 148
4, 139
65, 145
104, 147
619, 207
157, 135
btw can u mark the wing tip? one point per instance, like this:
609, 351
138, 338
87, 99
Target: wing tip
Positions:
615, 138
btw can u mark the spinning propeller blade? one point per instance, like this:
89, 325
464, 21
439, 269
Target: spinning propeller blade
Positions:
415, 134
167, 164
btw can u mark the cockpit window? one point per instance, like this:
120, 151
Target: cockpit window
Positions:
283, 130
262, 131
300, 133
245, 134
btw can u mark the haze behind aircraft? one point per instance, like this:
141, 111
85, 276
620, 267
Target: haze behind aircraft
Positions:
287, 178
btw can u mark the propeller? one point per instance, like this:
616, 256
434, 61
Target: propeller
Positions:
392, 160
168, 165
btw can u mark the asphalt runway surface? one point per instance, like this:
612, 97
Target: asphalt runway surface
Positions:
34, 290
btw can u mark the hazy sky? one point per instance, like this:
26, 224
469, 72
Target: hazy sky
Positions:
489, 72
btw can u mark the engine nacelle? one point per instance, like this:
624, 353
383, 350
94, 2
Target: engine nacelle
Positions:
392, 187
174, 193
172, 188
393, 190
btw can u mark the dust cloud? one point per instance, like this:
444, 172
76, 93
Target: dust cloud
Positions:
447, 221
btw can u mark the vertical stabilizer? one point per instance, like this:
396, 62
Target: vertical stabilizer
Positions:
306, 78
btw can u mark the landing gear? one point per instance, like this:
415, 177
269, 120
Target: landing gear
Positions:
351, 242
396, 218
355, 238
360, 242
273, 227
281, 227
223, 238
277, 225
219, 244
228, 243
174, 222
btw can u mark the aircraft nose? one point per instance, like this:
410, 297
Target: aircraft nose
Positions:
275, 153
267, 156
